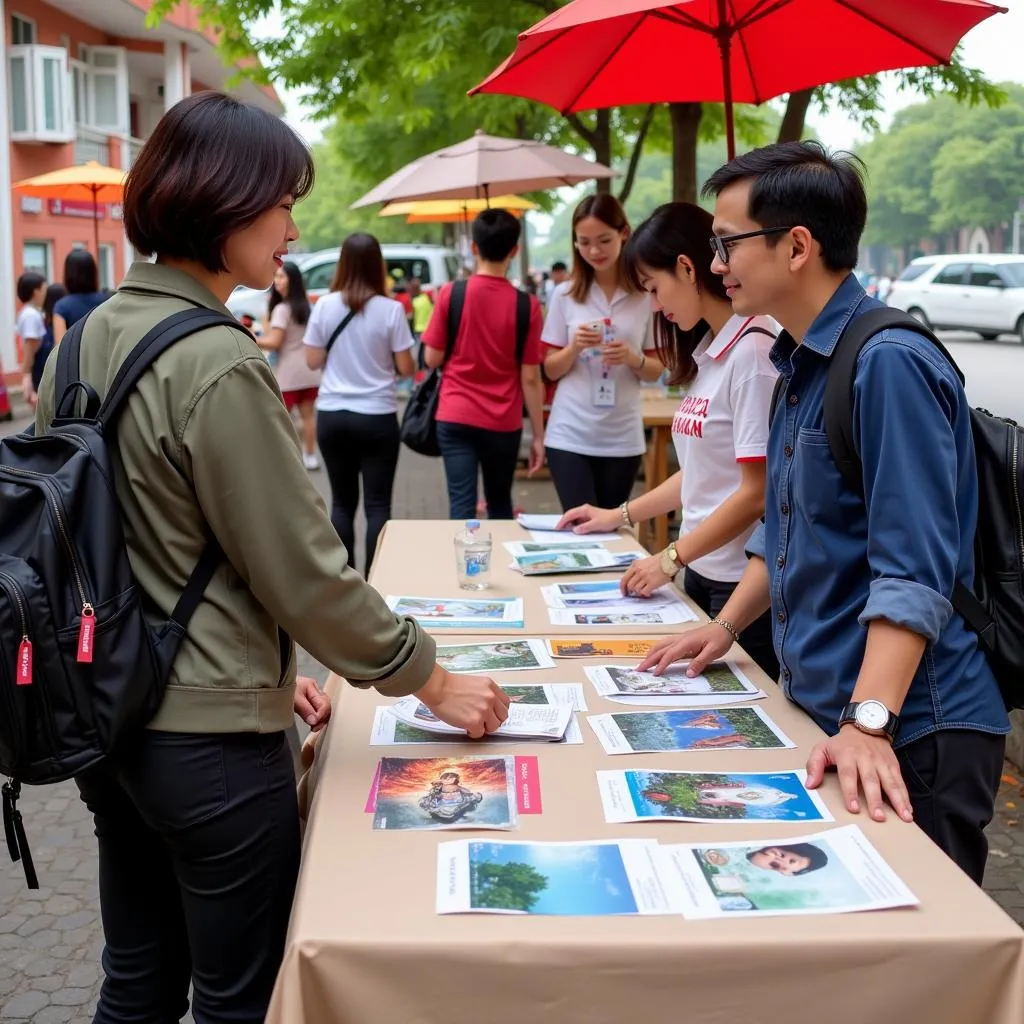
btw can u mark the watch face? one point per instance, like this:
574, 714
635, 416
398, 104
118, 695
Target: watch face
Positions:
872, 714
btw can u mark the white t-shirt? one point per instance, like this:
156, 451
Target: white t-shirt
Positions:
360, 372
721, 422
31, 324
577, 424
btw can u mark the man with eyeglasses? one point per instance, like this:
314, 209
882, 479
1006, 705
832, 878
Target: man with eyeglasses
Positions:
858, 586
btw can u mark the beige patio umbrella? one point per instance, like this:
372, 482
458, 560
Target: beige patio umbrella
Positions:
484, 164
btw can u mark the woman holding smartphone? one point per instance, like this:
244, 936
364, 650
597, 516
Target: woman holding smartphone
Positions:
599, 349
720, 430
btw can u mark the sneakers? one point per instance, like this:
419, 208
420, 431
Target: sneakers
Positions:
310, 461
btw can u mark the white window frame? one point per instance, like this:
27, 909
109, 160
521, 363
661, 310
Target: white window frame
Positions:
47, 246
35, 59
105, 265
30, 22
118, 72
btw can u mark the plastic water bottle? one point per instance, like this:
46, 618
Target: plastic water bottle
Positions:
473, 556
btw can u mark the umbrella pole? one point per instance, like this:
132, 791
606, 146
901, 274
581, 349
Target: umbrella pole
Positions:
96, 224
725, 48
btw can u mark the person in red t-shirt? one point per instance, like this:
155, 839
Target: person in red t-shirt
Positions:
483, 390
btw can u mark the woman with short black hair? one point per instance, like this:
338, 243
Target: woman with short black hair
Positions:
196, 816
82, 281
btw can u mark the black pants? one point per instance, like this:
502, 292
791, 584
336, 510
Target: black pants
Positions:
469, 451
711, 596
952, 777
198, 857
354, 445
604, 481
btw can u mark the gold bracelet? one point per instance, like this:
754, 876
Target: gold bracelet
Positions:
728, 627
624, 512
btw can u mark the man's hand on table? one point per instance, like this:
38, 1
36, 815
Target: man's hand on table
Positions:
702, 646
312, 705
863, 762
474, 703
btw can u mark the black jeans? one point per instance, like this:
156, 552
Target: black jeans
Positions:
952, 777
355, 444
198, 858
756, 639
468, 451
604, 481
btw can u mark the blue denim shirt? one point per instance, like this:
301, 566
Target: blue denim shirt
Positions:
836, 562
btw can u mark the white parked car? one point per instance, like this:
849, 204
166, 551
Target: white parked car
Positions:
432, 264
981, 292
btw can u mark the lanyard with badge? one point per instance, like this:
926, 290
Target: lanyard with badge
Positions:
602, 387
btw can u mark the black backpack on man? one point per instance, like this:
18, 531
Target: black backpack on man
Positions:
81, 668
994, 607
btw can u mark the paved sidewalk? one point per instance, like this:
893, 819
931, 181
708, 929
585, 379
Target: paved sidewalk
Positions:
50, 940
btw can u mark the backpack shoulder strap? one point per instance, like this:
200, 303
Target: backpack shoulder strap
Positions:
839, 385
67, 374
456, 303
157, 341
523, 311
780, 384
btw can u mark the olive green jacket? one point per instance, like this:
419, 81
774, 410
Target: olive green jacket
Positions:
205, 444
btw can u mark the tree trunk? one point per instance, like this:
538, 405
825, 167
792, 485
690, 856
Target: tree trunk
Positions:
603, 146
638, 148
685, 119
792, 127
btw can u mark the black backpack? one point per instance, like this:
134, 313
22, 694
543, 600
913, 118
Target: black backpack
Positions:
80, 667
419, 425
994, 609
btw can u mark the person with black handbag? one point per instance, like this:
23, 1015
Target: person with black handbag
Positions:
359, 337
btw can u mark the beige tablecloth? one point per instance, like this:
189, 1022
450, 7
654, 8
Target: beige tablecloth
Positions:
416, 558
366, 947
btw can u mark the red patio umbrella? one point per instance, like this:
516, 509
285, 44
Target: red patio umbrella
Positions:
604, 53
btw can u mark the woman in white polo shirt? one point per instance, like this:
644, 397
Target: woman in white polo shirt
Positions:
599, 348
720, 430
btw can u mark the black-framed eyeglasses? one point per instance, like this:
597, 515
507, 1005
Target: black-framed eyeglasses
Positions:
720, 243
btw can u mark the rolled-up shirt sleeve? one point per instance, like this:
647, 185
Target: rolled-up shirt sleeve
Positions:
755, 546
907, 412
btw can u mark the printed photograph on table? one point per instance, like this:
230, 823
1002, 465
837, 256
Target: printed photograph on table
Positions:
668, 615
524, 721
389, 731
547, 563
599, 648
709, 796
717, 679
565, 879
501, 656
445, 792
635, 732
832, 872
460, 612
570, 694
516, 547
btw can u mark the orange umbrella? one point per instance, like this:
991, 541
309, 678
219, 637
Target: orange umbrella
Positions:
82, 181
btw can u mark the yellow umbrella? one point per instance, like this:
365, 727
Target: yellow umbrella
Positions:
82, 181
453, 211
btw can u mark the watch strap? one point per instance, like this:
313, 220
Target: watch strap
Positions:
849, 715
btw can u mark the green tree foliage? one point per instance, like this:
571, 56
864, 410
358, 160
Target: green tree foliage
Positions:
942, 166
512, 886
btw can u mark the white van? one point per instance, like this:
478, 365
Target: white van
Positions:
980, 292
434, 265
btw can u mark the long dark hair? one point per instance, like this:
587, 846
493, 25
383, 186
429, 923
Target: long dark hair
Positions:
81, 275
298, 302
54, 294
361, 273
608, 210
674, 230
